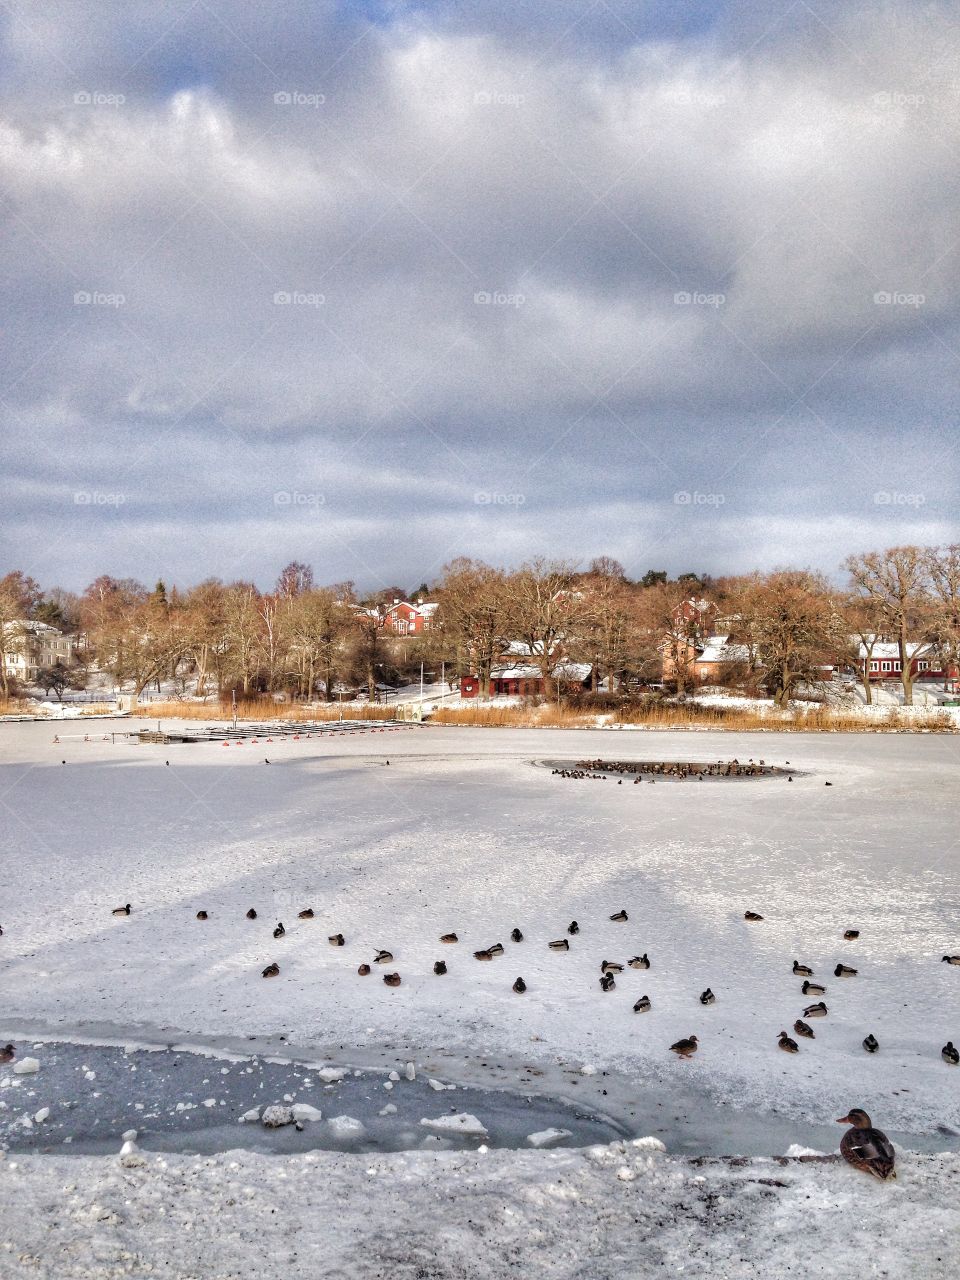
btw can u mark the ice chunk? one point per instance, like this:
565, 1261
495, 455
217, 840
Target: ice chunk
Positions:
251, 1116
129, 1135
389, 1110
411, 1071
648, 1144
274, 1117
42, 1115
304, 1111
346, 1129
461, 1122
548, 1137
795, 1150
26, 1067
331, 1075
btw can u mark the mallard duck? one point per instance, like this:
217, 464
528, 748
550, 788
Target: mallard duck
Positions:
707, 997
813, 989
573, 928
619, 917
815, 1010
849, 935
752, 916
844, 971
871, 1043
802, 970
802, 1029
867, 1148
643, 1005
337, 940
516, 935
383, 957
279, 931
496, 949
949, 1054
786, 1044
439, 967
482, 955
950, 960
560, 945
364, 970
7, 1053
685, 1048
305, 914
392, 979
121, 911
608, 982
519, 986
639, 962
449, 937
610, 966
251, 914
202, 915
271, 971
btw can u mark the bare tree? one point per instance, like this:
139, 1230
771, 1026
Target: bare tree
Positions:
795, 627
897, 582
544, 608
472, 613
943, 571
19, 596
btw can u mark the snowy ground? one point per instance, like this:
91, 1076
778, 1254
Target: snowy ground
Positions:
461, 832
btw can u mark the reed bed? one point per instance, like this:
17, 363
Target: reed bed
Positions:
258, 709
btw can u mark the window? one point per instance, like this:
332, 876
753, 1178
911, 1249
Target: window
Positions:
887, 666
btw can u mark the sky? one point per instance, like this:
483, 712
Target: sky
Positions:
374, 284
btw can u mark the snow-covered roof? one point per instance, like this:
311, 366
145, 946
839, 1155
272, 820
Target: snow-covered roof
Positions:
37, 628
521, 649
428, 608
719, 649
890, 649
527, 671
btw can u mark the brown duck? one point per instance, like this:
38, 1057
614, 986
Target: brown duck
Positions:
867, 1148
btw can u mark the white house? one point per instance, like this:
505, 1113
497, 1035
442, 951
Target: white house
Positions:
33, 645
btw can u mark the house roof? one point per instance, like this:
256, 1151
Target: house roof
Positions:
719, 649
890, 649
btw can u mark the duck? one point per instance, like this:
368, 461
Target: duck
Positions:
950, 960
383, 957
619, 917
519, 986
850, 935
337, 940
121, 911
813, 989
364, 971
305, 914
752, 916
866, 1148
685, 1048
516, 935
449, 937
251, 914
610, 966
871, 1043
949, 1054
392, 979
271, 971
786, 1044
844, 971
560, 945
279, 931
608, 982
643, 1005
7, 1053
573, 928
496, 949
707, 997
639, 962
815, 1010
802, 970
482, 955
202, 915
801, 1029
439, 967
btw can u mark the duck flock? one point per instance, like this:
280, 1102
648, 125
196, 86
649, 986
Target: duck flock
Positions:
680, 770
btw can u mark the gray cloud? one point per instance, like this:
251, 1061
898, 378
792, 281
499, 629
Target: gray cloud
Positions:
404, 262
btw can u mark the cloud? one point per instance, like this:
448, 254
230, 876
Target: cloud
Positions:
405, 256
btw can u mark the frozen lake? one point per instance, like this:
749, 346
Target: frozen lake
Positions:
464, 832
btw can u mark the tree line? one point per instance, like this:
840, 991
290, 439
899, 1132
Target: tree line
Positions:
310, 641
